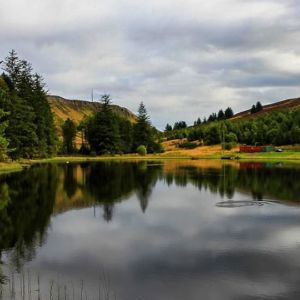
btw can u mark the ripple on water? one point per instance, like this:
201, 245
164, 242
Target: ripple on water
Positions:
241, 203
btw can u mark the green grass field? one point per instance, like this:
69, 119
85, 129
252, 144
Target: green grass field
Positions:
287, 156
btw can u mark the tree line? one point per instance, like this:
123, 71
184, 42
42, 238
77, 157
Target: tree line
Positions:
277, 128
27, 127
221, 115
26, 121
108, 133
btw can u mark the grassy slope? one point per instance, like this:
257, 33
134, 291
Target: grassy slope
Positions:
290, 153
284, 104
77, 110
217, 152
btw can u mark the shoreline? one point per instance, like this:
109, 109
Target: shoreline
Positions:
275, 157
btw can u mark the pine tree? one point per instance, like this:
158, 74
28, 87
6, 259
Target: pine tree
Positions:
168, 128
44, 118
69, 133
21, 129
258, 107
142, 129
213, 117
179, 125
12, 67
126, 134
102, 131
27, 90
221, 115
3, 125
228, 113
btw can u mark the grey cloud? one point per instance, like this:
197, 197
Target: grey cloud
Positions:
183, 59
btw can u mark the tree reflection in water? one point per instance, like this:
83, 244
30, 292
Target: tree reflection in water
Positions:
29, 198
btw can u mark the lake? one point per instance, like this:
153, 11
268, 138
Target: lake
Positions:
151, 230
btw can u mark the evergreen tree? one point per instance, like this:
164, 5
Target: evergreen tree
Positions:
198, 122
168, 128
46, 132
228, 113
69, 134
212, 117
83, 128
126, 135
27, 91
21, 130
179, 125
221, 115
253, 109
142, 129
102, 131
12, 67
258, 107
3, 140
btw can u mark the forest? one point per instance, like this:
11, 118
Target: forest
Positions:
108, 133
26, 122
27, 128
276, 128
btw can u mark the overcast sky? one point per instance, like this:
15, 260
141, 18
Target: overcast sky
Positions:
183, 58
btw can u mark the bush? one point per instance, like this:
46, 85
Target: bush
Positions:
141, 150
155, 148
188, 145
93, 153
229, 146
231, 138
212, 134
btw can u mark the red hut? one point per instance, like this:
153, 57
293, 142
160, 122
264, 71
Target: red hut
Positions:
251, 149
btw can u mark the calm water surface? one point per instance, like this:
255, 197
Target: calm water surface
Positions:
151, 230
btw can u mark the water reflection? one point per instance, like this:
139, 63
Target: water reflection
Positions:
27, 201
29, 198
174, 236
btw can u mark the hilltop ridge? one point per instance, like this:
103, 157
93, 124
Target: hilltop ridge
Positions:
77, 110
283, 104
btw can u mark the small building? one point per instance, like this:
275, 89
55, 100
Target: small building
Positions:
255, 149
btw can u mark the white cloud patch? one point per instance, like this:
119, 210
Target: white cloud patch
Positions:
183, 58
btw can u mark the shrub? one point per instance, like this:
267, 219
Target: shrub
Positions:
188, 145
229, 146
93, 153
155, 148
231, 138
141, 150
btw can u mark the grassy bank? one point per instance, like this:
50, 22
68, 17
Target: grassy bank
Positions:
288, 156
282, 156
10, 167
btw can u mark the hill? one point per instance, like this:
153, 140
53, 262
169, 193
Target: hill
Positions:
284, 104
77, 110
